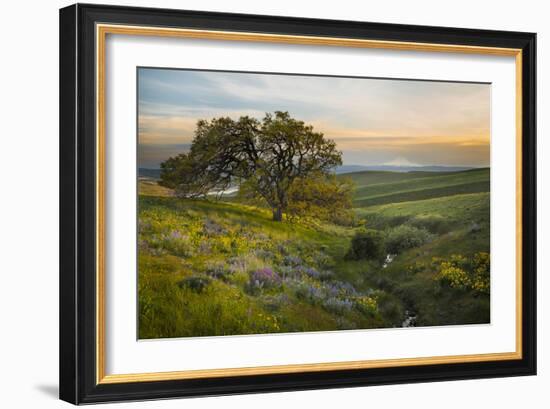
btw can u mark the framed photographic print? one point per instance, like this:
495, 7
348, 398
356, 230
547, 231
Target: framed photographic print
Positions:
258, 203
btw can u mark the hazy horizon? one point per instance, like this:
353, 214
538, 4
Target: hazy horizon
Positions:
374, 122
373, 166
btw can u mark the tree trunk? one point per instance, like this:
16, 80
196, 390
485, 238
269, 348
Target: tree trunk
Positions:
277, 214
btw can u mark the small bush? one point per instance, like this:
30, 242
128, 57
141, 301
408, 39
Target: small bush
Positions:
173, 242
481, 280
337, 305
195, 283
367, 305
434, 223
378, 221
310, 292
466, 274
219, 271
366, 244
454, 276
405, 237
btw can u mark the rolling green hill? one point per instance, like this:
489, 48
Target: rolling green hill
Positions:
455, 208
371, 177
374, 188
462, 222
461, 225
210, 267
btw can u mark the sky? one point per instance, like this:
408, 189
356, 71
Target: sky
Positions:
372, 121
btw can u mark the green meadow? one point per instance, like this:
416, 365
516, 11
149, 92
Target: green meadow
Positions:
415, 254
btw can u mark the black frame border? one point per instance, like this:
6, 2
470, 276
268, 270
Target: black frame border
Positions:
78, 210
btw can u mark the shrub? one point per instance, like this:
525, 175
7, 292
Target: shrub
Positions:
379, 221
174, 242
366, 244
454, 276
405, 237
466, 274
195, 283
366, 305
434, 223
310, 292
337, 305
481, 280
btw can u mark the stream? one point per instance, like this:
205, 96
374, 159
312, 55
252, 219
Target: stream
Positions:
410, 317
389, 258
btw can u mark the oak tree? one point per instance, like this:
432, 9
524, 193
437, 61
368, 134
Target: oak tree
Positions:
267, 156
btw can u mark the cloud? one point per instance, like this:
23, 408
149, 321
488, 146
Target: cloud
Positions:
165, 130
359, 114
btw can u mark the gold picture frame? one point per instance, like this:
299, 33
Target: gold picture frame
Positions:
99, 21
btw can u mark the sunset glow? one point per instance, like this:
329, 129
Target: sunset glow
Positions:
373, 121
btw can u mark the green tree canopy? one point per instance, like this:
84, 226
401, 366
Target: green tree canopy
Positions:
268, 156
324, 197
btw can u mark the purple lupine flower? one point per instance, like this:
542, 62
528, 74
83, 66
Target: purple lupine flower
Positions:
265, 277
311, 272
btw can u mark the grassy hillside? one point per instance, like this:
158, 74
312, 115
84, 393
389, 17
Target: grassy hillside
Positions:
221, 268
197, 267
371, 177
461, 225
444, 212
373, 188
150, 187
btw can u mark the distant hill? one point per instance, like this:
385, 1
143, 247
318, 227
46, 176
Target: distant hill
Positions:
381, 187
349, 169
392, 168
155, 173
